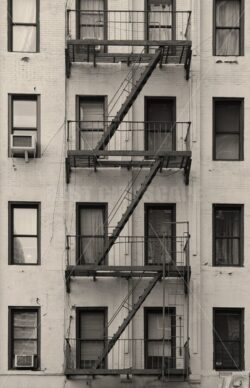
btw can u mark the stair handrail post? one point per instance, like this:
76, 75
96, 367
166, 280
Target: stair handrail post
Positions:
163, 308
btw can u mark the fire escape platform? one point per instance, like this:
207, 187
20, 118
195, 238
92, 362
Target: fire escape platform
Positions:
139, 372
88, 159
128, 271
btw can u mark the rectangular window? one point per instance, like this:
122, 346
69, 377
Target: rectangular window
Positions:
160, 20
92, 121
24, 338
228, 129
160, 124
228, 27
154, 334
24, 233
228, 339
92, 232
91, 336
24, 118
92, 19
160, 234
228, 235
23, 25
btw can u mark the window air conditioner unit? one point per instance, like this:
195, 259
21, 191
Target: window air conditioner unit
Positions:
24, 361
23, 144
236, 380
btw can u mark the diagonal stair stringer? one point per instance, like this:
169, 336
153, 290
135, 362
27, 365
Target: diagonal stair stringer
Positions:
127, 320
130, 209
135, 91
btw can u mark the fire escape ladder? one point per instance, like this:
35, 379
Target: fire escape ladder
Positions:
125, 217
135, 91
127, 320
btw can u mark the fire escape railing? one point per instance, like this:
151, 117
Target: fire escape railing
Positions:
128, 251
128, 25
130, 135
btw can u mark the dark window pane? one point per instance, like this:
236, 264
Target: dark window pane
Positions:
24, 113
227, 147
227, 222
24, 39
92, 325
24, 11
227, 355
227, 252
228, 326
227, 116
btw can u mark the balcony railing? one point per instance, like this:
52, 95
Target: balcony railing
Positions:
131, 135
153, 250
135, 356
128, 26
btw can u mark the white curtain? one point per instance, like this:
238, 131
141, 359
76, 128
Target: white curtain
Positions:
92, 125
92, 226
227, 15
160, 20
92, 22
227, 233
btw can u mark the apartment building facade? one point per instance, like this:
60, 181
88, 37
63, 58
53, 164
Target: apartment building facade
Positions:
124, 193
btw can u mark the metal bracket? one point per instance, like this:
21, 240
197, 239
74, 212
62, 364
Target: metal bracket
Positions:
67, 170
67, 280
187, 169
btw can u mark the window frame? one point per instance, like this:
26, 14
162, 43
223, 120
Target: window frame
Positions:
168, 311
89, 205
241, 31
241, 132
80, 98
159, 206
147, 101
79, 310
23, 205
233, 310
146, 20
25, 97
105, 26
11, 24
239, 207
11, 311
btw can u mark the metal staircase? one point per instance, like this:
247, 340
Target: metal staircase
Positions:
127, 320
135, 91
130, 209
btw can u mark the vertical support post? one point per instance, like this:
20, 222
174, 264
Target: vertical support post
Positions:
163, 310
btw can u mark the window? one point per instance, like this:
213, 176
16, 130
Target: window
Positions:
160, 19
228, 129
160, 234
24, 338
92, 19
91, 114
91, 334
23, 25
24, 233
92, 232
24, 112
228, 339
228, 235
160, 124
228, 25
154, 334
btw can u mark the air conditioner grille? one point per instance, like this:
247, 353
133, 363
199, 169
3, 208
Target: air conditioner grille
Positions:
24, 361
22, 141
